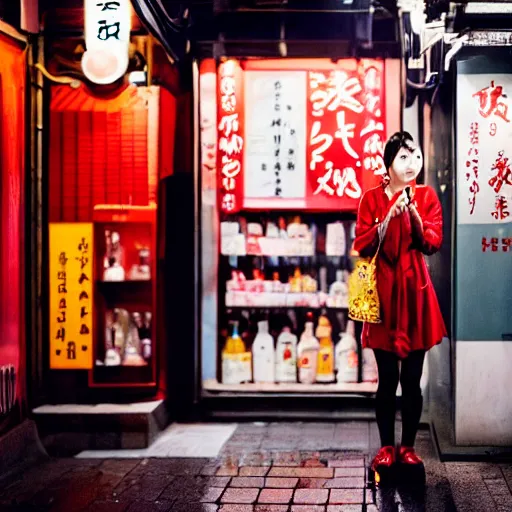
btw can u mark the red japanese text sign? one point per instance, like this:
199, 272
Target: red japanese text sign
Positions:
304, 135
230, 135
346, 132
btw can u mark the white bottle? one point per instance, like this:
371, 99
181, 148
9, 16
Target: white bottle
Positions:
370, 372
263, 355
338, 292
286, 357
346, 355
308, 355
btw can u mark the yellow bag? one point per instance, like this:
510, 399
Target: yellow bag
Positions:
363, 297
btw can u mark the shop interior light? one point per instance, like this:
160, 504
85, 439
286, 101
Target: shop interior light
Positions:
138, 77
488, 8
107, 39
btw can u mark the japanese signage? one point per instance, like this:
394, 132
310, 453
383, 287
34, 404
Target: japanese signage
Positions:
313, 138
230, 135
275, 133
71, 295
484, 168
495, 244
107, 39
346, 131
208, 124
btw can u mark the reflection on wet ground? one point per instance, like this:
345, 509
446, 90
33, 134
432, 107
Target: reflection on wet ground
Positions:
277, 467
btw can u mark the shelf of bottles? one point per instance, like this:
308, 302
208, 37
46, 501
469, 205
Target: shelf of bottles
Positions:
283, 315
124, 293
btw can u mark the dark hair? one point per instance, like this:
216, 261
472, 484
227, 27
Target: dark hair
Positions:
397, 141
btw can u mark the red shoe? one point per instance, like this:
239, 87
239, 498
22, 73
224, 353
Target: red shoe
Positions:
407, 455
385, 458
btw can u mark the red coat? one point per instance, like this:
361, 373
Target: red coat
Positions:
411, 318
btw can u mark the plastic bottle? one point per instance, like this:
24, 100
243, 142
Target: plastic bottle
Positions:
263, 355
346, 355
307, 350
286, 356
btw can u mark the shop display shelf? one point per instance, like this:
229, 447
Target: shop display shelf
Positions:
284, 308
123, 376
213, 385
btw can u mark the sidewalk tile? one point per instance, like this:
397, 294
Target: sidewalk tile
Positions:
276, 496
254, 470
271, 508
227, 471
247, 481
313, 463
283, 483
286, 459
211, 494
349, 508
349, 462
342, 496
301, 472
344, 472
233, 495
236, 508
345, 483
308, 508
311, 496
217, 481
312, 483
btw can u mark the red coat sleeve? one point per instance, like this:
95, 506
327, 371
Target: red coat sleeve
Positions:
367, 236
429, 236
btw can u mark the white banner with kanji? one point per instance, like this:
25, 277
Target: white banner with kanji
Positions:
484, 149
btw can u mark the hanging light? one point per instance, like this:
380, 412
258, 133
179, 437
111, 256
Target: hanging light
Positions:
107, 40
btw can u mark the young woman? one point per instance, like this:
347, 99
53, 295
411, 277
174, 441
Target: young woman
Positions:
406, 220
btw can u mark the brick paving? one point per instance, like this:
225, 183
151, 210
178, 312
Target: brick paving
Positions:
252, 479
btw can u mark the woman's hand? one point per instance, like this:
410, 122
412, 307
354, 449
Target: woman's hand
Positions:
417, 222
400, 205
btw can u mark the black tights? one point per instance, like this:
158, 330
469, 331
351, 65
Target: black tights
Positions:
412, 401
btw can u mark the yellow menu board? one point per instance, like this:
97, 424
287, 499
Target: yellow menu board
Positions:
71, 296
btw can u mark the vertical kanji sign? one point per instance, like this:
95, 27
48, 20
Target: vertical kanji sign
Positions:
107, 40
484, 155
230, 135
71, 296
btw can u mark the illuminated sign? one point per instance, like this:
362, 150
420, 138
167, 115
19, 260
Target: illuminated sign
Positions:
71, 295
107, 39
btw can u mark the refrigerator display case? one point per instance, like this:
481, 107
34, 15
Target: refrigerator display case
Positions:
125, 297
287, 148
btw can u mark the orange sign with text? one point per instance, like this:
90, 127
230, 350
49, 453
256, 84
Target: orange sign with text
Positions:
71, 296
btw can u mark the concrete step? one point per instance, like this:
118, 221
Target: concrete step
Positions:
67, 429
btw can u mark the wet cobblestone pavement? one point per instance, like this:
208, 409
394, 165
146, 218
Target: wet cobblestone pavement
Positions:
262, 468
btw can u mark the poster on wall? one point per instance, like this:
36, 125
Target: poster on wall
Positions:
71, 296
275, 134
484, 153
313, 138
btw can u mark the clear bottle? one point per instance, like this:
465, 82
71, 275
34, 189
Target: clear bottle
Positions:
325, 371
231, 354
338, 292
346, 355
307, 350
263, 355
286, 356
370, 372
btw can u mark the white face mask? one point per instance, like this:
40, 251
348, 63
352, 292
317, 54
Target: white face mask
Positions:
407, 165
